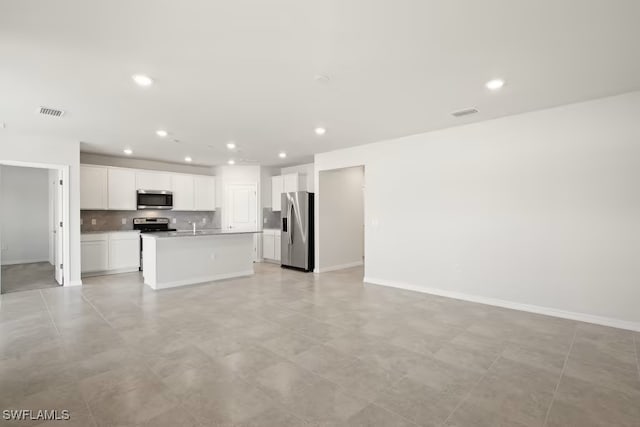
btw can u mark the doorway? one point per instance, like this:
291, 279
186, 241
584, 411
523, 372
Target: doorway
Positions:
341, 222
242, 203
31, 220
241, 211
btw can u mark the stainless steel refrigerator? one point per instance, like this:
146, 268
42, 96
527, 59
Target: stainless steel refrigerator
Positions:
297, 238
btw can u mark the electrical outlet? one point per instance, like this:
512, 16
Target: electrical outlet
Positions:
204, 220
173, 220
124, 221
93, 221
81, 221
265, 220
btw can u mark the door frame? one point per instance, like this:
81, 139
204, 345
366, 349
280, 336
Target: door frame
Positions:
63, 172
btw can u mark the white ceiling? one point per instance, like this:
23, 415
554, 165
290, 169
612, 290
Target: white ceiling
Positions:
244, 70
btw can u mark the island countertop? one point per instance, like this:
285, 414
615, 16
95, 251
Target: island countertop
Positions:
198, 233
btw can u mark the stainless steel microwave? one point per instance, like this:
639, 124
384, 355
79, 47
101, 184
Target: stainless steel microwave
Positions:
155, 199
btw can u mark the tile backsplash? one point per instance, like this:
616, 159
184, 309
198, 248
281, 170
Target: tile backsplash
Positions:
123, 220
271, 219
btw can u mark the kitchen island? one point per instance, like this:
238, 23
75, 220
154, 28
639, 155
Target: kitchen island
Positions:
179, 258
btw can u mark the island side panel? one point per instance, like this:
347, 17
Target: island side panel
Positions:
187, 260
149, 265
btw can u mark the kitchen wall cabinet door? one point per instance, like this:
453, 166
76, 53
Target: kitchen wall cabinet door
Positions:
277, 188
183, 192
290, 181
93, 187
205, 193
124, 251
94, 253
268, 246
147, 180
122, 189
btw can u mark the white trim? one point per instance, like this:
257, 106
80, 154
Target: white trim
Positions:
338, 267
66, 211
109, 272
548, 311
197, 280
73, 283
25, 261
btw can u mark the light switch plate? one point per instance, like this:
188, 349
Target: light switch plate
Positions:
124, 221
93, 221
204, 220
173, 220
81, 221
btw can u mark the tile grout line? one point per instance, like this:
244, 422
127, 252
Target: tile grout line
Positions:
98, 311
49, 313
60, 335
564, 367
635, 348
466, 396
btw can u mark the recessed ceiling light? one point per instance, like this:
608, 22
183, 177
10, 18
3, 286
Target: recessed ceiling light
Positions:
320, 131
162, 133
187, 159
128, 151
142, 80
231, 162
495, 84
282, 155
231, 145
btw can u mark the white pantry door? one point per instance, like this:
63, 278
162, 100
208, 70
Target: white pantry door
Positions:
242, 206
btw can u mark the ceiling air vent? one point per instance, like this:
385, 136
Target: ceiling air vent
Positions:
465, 112
51, 112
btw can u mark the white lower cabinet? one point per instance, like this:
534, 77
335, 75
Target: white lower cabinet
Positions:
271, 245
277, 247
95, 252
110, 252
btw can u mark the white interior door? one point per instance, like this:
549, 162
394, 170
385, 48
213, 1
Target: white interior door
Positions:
242, 205
57, 230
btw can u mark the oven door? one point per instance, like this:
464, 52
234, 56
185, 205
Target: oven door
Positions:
154, 199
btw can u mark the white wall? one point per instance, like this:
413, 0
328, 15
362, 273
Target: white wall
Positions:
16, 147
128, 162
24, 215
265, 185
307, 169
341, 217
539, 211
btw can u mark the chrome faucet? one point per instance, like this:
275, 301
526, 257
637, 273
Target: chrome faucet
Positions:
193, 223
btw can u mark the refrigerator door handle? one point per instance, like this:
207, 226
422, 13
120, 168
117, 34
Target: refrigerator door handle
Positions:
292, 221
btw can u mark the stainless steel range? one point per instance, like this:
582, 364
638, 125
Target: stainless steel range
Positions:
150, 225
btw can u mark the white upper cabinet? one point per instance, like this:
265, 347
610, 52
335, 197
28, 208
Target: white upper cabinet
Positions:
115, 188
122, 189
148, 180
288, 183
277, 188
205, 193
93, 187
183, 192
291, 182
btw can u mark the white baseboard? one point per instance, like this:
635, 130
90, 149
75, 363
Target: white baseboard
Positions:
73, 283
109, 272
338, 267
582, 317
198, 280
23, 261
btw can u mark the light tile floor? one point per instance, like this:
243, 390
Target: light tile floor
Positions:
285, 348
24, 277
